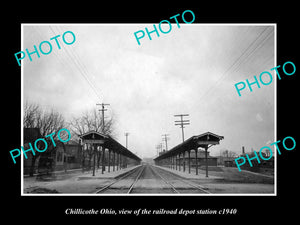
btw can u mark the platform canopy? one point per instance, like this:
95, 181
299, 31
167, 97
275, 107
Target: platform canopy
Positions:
94, 137
204, 140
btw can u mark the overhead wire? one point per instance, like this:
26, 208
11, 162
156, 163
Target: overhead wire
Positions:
73, 52
79, 65
61, 59
259, 45
259, 67
234, 64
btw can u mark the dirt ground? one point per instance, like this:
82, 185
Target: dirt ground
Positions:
240, 188
231, 174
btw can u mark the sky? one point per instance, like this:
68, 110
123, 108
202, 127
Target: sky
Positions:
191, 70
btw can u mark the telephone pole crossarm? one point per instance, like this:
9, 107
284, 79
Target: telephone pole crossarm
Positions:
182, 122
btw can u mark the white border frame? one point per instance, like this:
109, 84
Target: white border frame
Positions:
173, 195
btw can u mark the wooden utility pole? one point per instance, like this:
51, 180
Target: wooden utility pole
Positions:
102, 110
159, 148
94, 149
166, 138
126, 134
182, 122
206, 163
103, 132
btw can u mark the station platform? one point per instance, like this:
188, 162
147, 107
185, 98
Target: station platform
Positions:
191, 175
106, 175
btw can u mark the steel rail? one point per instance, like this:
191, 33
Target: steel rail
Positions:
172, 186
184, 181
117, 180
135, 181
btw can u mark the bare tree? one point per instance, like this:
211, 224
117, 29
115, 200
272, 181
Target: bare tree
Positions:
91, 121
229, 154
31, 111
47, 121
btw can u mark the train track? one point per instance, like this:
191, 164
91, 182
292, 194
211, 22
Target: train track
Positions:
139, 170
130, 180
177, 178
167, 182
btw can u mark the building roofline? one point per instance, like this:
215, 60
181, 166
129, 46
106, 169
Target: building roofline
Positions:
93, 132
210, 133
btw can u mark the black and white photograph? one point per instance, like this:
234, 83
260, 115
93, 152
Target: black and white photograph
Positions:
117, 114
140, 109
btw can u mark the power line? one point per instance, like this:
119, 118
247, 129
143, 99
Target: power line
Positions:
250, 54
233, 64
79, 65
63, 60
259, 45
73, 52
59, 57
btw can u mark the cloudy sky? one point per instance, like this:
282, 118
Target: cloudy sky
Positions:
191, 70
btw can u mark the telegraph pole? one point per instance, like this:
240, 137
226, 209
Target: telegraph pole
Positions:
126, 134
166, 138
102, 110
94, 148
159, 148
103, 132
182, 122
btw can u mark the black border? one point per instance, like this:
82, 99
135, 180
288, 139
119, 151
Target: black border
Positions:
254, 208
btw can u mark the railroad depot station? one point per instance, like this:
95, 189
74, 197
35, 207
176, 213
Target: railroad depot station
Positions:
113, 153
94, 150
98, 151
98, 164
191, 153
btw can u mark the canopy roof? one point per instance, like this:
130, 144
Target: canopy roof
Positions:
94, 137
204, 140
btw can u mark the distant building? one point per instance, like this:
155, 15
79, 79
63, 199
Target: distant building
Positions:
211, 161
68, 155
225, 161
62, 157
